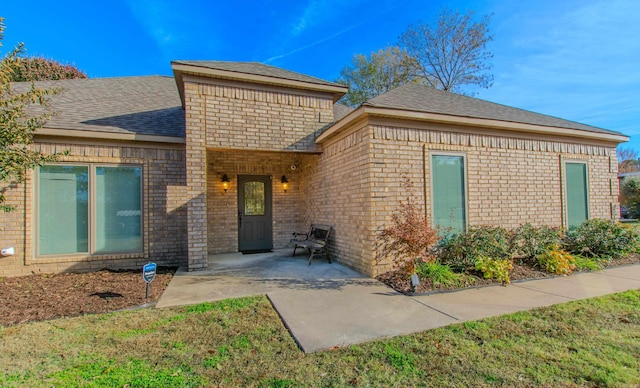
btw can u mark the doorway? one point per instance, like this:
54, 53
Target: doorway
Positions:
255, 230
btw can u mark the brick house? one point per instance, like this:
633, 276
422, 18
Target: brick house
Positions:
230, 156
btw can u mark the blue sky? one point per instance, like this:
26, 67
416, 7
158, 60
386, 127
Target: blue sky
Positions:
575, 59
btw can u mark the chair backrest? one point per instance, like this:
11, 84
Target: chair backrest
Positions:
320, 233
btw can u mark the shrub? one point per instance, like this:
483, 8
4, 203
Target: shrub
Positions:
630, 196
410, 236
528, 241
602, 238
557, 261
586, 263
494, 268
439, 274
461, 250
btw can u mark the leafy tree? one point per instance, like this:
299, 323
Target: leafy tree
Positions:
43, 69
17, 125
630, 196
628, 160
452, 52
370, 76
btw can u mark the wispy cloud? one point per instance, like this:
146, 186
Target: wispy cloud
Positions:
323, 14
313, 44
576, 60
311, 14
154, 16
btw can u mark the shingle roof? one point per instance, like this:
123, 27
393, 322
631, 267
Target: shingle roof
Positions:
340, 110
420, 98
147, 105
257, 68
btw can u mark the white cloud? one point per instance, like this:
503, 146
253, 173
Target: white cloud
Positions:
576, 60
313, 44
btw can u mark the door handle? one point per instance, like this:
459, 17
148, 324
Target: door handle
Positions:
239, 218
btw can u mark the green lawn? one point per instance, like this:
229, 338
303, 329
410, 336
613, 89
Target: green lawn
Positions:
242, 342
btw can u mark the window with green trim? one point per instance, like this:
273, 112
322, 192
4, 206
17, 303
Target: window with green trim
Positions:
448, 192
89, 209
577, 190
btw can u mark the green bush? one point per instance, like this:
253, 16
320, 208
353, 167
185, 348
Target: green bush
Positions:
495, 269
439, 274
630, 196
529, 241
601, 238
586, 263
461, 250
557, 261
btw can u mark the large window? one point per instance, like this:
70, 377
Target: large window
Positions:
576, 186
448, 192
89, 209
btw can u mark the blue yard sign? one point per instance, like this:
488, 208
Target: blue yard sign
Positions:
148, 273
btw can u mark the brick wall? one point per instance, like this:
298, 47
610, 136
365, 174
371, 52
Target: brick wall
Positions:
510, 181
341, 193
251, 130
196, 173
246, 117
222, 208
164, 212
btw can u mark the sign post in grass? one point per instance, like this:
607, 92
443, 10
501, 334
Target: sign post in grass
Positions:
148, 273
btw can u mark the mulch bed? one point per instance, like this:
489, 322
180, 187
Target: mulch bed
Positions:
46, 296
400, 281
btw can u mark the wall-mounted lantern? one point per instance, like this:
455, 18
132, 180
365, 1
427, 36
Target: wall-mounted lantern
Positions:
225, 182
285, 183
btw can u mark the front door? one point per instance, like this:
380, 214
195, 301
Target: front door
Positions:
254, 213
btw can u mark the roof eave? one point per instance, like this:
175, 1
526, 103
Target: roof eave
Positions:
470, 122
178, 69
57, 132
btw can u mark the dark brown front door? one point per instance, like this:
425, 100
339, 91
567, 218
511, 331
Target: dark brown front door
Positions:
254, 213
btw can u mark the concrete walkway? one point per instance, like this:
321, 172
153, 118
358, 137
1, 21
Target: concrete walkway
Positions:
327, 305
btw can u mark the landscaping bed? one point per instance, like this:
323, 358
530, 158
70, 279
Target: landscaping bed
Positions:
47, 296
400, 281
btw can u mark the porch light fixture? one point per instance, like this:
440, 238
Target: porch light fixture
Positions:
285, 183
225, 182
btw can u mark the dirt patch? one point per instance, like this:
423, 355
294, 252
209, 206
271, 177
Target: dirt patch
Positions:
400, 281
46, 296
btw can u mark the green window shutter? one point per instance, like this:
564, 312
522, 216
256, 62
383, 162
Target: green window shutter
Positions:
577, 193
63, 209
448, 190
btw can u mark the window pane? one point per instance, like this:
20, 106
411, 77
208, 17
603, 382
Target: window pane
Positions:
577, 203
118, 209
63, 211
254, 198
448, 191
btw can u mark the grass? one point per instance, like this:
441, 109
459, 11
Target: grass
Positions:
242, 342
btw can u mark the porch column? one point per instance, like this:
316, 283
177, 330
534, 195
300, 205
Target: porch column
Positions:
196, 160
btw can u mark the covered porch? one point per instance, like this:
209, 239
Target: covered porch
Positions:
256, 200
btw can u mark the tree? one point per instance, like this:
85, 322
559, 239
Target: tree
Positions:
17, 125
452, 52
370, 76
43, 69
628, 160
630, 196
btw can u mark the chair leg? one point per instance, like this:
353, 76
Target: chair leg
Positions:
311, 257
294, 251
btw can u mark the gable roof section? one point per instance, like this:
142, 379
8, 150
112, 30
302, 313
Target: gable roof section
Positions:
423, 103
340, 110
254, 72
127, 108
